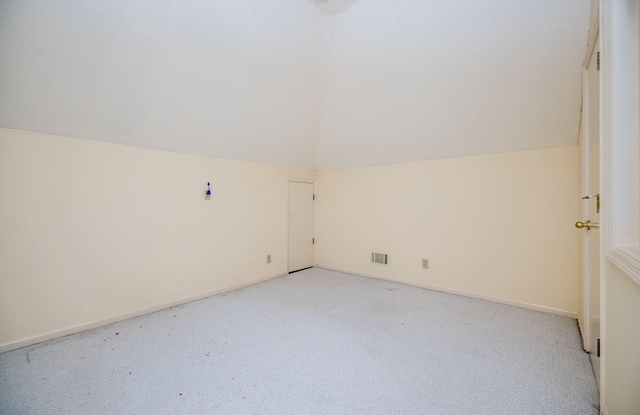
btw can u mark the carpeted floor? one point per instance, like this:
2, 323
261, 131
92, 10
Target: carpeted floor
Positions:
313, 342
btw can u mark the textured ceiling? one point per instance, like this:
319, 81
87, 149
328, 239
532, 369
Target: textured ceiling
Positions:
225, 78
333, 6
341, 84
437, 79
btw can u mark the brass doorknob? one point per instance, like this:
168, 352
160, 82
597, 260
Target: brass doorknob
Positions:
587, 224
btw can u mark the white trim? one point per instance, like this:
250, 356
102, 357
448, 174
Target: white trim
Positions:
28, 341
627, 261
288, 213
606, 216
585, 327
514, 303
605, 173
593, 39
605, 411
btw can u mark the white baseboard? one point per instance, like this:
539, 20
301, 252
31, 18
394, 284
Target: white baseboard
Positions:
28, 341
528, 306
604, 411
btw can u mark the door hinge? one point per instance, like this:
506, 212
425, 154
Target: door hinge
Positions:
598, 351
598, 57
597, 201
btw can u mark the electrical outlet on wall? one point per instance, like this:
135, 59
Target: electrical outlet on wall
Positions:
269, 259
425, 263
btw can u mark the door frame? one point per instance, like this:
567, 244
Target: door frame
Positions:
299, 180
586, 298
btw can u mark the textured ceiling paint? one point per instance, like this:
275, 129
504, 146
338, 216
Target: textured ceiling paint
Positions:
226, 78
417, 80
289, 83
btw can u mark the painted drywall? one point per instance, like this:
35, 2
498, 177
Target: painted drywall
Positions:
496, 226
93, 231
620, 343
620, 43
289, 83
419, 80
225, 78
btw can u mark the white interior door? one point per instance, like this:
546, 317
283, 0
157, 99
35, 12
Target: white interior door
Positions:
300, 226
591, 213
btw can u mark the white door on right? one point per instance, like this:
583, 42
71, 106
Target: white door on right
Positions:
591, 212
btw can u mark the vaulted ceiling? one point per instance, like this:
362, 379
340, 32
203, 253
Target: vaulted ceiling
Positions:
305, 83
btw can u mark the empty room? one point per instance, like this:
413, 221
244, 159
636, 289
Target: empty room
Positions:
320, 207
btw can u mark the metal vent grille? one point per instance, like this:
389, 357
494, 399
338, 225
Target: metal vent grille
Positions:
378, 258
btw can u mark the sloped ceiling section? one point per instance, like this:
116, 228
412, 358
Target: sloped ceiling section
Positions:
225, 78
416, 80
299, 83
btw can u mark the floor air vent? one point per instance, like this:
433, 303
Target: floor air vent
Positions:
377, 258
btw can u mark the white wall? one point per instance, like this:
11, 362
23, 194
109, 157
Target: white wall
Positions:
620, 122
498, 226
94, 231
621, 342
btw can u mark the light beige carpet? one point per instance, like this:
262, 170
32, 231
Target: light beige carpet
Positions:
313, 342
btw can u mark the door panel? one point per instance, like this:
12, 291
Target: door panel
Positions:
591, 187
300, 226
